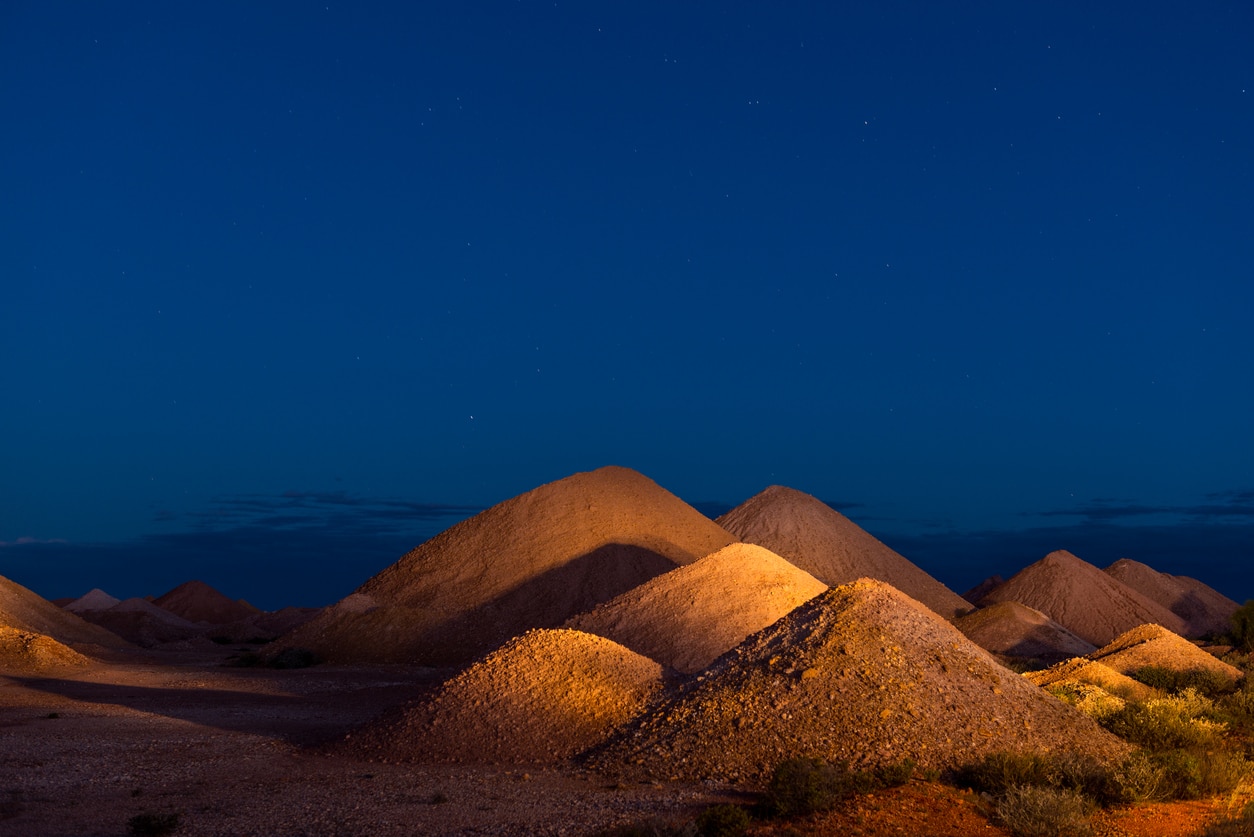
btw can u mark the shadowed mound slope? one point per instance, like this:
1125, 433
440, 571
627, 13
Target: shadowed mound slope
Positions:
811, 535
1016, 630
687, 617
539, 699
196, 601
24, 652
1082, 598
861, 674
27, 611
143, 623
1202, 609
1081, 670
530, 562
1154, 645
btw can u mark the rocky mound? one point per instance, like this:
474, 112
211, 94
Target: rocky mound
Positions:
1154, 646
1015, 630
861, 674
979, 591
688, 617
539, 699
27, 611
1080, 670
196, 601
23, 652
1202, 609
1082, 598
95, 599
811, 535
530, 562
143, 623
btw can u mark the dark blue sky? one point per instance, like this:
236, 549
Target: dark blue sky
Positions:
287, 287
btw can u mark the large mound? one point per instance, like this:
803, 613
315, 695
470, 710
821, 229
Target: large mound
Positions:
196, 601
1202, 609
95, 599
539, 699
1154, 646
530, 562
143, 623
811, 535
861, 674
25, 652
1016, 630
1082, 598
1080, 670
27, 611
688, 617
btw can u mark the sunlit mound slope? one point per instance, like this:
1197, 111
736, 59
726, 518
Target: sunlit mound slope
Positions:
1016, 630
1153, 646
24, 652
811, 535
689, 616
25, 610
530, 562
861, 674
540, 698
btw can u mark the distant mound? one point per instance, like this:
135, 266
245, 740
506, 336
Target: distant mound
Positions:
530, 562
539, 699
1154, 646
1016, 630
1085, 671
196, 601
1082, 598
27, 611
143, 623
24, 652
979, 591
96, 599
861, 674
1203, 610
689, 616
811, 535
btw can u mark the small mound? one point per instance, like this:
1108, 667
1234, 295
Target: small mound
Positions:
1080, 670
688, 617
1083, 599
539, 699
143, 623
861, 674
1154, 646
96, 599
813, 536
1015, 630
1202, 609
196, 601
25, 652
25, 610
977, 593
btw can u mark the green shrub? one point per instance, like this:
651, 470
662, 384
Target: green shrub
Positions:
1201, 680
1241, 825
1029, 811
152, 825
1243, 627
894, 775
805, 786
998, 772
1179, 721
1141, 778
1088, 776
722, 821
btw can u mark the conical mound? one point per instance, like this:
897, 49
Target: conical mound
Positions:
811, 535
141, 622
1154, 646
539, 699
1081, 670
1202, 609
1082, 598
688, 617
24, 652
196, 601
1016, 630
27, 611
861, 674
530, 562
96, 599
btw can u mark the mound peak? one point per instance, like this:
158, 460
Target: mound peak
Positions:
196, 601
540, 698
1203, 609
1080, 597
813, 536
1082, 670
1016, 630
94, 599
688, 617
25, 610
1148, 646
530, 562
860, 674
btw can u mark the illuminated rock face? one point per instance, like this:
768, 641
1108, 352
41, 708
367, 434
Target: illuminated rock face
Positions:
541, 698
24, 652
812, 536
1154, 646
530, 562
687, 617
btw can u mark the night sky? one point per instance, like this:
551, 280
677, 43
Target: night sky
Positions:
290, 287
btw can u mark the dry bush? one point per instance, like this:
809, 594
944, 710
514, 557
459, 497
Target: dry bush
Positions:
1180, 721
1031, 811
